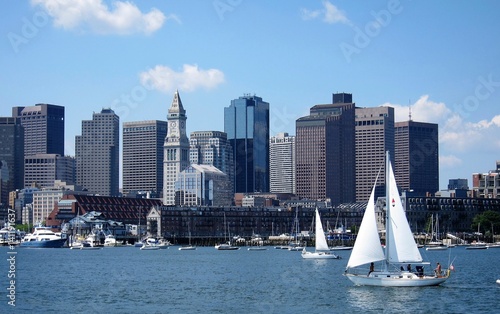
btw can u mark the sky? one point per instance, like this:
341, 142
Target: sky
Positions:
441, 58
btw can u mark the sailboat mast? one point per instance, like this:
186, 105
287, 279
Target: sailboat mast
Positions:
387, 210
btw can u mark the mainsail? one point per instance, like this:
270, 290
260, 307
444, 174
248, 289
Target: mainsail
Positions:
367, 247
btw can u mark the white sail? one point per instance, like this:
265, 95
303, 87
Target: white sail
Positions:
321, 244
367, 247
401, 244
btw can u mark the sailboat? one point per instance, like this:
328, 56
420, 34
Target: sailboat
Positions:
226, 246
188, 247
435, 244
321, 248
400, 248
295, 245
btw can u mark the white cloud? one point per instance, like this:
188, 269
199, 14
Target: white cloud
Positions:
189, 79
95, 16
329, 14
455, 135
449, 161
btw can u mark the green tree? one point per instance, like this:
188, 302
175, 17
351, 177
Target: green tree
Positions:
486, 221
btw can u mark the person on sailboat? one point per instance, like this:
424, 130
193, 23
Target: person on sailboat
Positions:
408, 268
437, 270
372, 268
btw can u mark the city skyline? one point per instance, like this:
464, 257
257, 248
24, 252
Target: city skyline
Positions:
381, 52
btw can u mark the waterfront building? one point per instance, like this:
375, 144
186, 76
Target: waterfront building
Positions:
487, 185
143, 156
176, 149
122, 209
97, 154
374, 136
325, 152
42, 170
212, 148
23, 198
43, 204
11, 158
246, 122
43, 128
416, 160
282, 163
202, 185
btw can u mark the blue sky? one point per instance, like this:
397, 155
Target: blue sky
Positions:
440, 57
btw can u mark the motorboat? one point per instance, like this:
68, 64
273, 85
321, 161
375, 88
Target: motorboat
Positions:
43, 237
226, 247
110, 241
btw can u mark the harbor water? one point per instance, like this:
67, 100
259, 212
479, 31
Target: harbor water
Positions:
129, 280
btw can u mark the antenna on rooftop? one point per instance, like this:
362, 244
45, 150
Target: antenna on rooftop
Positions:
409, 109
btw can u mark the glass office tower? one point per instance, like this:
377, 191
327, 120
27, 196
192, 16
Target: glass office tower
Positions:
246, 122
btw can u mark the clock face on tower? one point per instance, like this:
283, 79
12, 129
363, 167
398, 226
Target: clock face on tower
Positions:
173, 124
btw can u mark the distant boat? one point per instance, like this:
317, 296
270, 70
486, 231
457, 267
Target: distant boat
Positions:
226, 246
498, 281
43, 237
321, 249
147, 246
400, 246
257, 248
188, 247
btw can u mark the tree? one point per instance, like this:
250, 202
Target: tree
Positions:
487, 221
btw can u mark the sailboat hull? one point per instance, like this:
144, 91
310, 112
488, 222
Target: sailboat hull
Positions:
395, 279
319, 255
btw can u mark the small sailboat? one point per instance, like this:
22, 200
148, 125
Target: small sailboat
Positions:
435, 244
321, 247
188, 247
400, 248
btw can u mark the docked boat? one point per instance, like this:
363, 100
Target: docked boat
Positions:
43, 237
226, 247
321, 249
147, 247
477, 245
400, 247
257, 248
110, 241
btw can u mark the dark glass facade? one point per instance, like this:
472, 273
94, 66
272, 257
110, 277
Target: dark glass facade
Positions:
246, 122
43, 128
417, 157
11, 157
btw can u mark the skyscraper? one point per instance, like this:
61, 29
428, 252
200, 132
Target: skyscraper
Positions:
325, 153
97, 154
42, 170
43, 128
176, 149
374, 136
143, 156
246, 122
282, 163
11, 157
416, 162
211, 148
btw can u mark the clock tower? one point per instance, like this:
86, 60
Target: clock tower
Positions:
176, 149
